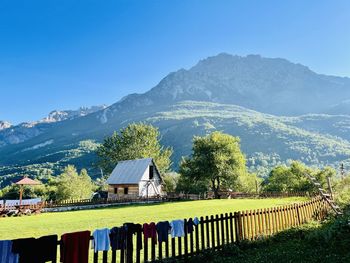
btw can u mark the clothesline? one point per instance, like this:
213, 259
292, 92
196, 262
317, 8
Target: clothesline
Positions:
74, 247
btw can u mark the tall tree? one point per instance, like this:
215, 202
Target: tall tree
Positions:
293, 178
136, 141
216, 160
71, 185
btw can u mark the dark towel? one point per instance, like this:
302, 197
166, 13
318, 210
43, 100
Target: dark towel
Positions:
150, 231
163, 231
75, 247
131, 229
117, 237
190, 226
47, 248
26, 250
38, 250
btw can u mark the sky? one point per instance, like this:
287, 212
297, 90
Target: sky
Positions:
63, 54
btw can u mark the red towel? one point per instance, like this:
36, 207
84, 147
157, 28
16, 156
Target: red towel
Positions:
150, 231
75, 247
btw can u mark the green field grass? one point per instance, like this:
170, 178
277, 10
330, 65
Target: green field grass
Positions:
63, 222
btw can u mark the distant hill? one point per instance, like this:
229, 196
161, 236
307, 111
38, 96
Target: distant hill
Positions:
278, 108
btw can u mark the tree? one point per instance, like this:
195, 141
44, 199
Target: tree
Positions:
71, 185
247, 182
342, 191
216, 160
136, 141
293, 178
170, 181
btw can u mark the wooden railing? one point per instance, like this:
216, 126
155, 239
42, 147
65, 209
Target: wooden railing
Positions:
84, 202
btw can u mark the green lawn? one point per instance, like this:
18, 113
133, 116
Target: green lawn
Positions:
63, 222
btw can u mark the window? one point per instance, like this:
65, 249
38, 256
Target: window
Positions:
116, 190
151, 172
126, 190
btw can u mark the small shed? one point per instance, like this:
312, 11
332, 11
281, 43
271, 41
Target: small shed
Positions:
139, 177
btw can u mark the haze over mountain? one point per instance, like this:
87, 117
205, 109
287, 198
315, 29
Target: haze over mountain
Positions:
259, 99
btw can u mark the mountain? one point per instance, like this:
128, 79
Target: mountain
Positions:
19, 133
279, 109
4, 125
269, 85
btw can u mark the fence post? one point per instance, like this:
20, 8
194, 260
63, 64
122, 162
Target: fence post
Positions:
297, 207
330, 186
238, 226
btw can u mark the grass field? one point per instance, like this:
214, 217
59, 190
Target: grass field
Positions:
59, 223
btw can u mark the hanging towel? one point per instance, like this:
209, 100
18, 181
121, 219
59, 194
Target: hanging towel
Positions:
6, 255
196, 221
117, 238
25, 248
75, 247
177, 228
190, 226
38, 250
150, 231
101, 240
130, 230
163, 231
46, 248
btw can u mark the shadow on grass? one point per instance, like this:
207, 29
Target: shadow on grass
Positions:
312, 243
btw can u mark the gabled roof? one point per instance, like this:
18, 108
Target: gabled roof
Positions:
130, 171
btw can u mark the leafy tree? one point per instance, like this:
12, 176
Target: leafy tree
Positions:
12, 192
247, 182
136, 141
187, 184
216, 160
170, 181
342, 191
293, 178
71, 185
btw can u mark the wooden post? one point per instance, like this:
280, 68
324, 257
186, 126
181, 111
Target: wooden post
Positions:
20, 195
330, 186
298, 214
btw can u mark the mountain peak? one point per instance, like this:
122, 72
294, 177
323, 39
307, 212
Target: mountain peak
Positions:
61, 115
271, 85
4, 125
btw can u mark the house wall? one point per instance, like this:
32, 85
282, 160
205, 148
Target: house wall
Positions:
154, 189
133, 190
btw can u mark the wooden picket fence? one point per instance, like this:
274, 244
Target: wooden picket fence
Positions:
215, 231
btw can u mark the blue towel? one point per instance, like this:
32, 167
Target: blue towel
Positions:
101, 240
196, 220
177, 228
6, 255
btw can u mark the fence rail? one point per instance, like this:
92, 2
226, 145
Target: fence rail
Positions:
169, 197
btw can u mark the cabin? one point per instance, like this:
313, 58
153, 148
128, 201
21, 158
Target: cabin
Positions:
135, 178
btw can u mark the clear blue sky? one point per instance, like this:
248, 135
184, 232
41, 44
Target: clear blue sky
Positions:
62, 54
